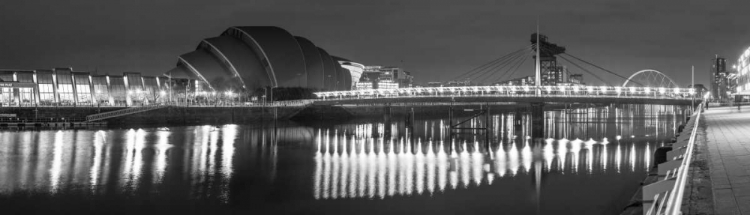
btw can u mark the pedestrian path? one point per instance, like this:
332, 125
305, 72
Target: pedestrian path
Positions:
728, 136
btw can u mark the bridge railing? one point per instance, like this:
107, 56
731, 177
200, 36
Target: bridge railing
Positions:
528, 91
665, 195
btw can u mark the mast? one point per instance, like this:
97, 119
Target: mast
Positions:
538, 81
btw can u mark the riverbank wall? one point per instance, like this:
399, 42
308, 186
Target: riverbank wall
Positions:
193, 115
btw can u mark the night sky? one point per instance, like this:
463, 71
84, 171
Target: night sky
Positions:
435, 40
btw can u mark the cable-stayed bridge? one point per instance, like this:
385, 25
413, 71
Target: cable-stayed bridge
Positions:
646, 86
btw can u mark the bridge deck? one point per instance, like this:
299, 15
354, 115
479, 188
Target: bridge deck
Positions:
499, 99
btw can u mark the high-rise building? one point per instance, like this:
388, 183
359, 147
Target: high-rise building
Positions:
723, 82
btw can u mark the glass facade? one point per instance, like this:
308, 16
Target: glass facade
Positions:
743, 73
101, 90
134, 84
117, 90
26, 96
7, 95
150, 89
63, 87
83, 88
45, 81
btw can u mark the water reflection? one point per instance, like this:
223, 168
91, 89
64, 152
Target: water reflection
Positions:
376, 168
138, 158
379, 163
311, 167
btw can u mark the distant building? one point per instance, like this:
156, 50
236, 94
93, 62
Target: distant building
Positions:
723, 82
458, 83
434, 84
386, 77
522, 81
556, 76
575, 79
700, 90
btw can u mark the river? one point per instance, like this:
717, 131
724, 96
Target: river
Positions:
590, 161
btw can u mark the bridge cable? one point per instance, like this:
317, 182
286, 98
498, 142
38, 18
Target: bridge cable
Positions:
488, 70
512, 71
474, 70
484, 71
599, 67
585, 70
484, 66
501, 68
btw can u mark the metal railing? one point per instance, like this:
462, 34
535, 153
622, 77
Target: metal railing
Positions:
606, 96
665, 195
122, 112
513, 90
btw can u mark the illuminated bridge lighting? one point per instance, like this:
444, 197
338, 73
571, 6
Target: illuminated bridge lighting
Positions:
503, 91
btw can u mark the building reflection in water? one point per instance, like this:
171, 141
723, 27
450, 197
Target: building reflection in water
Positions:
364, 161
126, 160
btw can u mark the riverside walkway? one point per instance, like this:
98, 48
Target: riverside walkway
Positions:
728, 141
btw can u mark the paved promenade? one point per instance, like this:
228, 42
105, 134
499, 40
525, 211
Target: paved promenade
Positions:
728, 136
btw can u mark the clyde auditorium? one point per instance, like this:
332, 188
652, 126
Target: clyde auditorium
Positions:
241, 59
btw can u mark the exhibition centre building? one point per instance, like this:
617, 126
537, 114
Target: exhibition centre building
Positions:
241, 59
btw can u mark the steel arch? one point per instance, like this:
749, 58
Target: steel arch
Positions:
660, 78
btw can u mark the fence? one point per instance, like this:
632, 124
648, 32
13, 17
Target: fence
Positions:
665, 195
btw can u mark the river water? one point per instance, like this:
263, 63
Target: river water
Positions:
590, 161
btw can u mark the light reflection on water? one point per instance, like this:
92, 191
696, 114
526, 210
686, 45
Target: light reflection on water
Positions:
370, 169
320, 165
74, 158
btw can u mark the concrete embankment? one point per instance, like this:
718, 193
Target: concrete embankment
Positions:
165, 116
176, 115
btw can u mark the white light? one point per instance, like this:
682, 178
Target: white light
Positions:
646, 89
138, 91
632, 89
603, 88
591, 89
676, 90
162, 93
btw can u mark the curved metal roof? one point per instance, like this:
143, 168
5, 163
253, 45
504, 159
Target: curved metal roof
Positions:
246, 62
282, 52
313, 63
211, 70
329, 70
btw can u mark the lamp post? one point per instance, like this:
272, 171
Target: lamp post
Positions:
692, 84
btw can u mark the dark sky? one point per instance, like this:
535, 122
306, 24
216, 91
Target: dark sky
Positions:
434, 39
